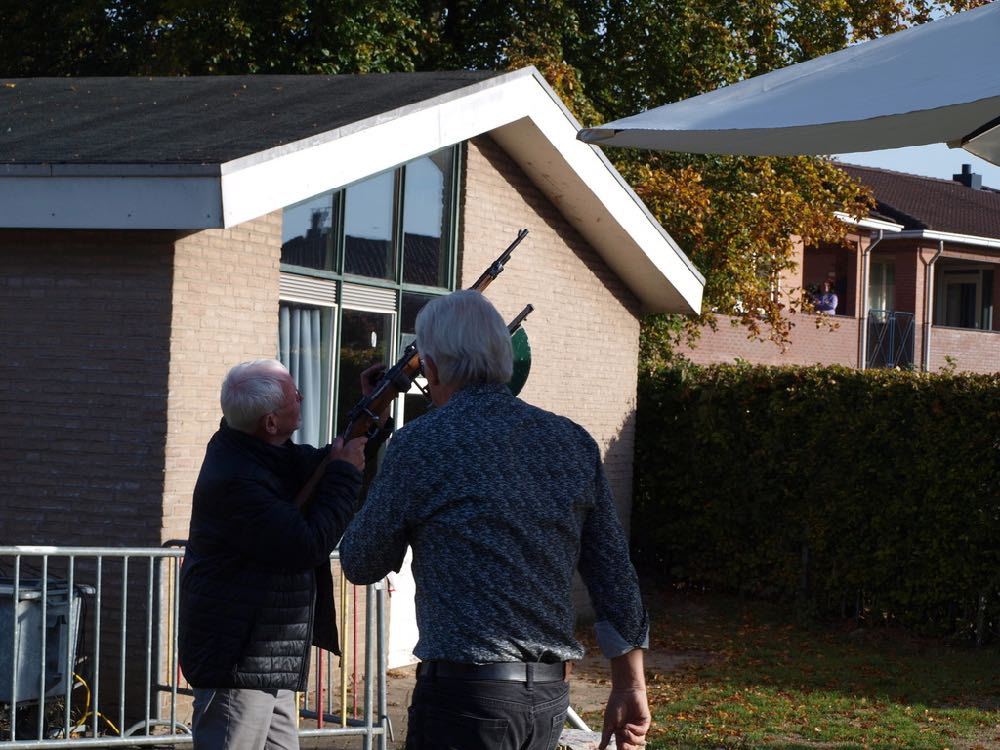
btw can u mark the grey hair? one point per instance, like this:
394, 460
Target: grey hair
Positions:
467, 339
250, 390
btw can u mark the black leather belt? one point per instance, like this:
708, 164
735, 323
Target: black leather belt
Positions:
509, 671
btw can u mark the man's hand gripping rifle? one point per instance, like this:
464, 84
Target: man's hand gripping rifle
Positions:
365, 419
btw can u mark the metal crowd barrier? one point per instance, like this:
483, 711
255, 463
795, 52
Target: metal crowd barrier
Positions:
88, 653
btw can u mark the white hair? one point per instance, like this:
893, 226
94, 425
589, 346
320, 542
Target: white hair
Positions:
467, 339
250, 390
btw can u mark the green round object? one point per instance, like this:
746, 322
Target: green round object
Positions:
522, 360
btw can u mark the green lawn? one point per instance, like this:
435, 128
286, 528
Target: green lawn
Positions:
755, 681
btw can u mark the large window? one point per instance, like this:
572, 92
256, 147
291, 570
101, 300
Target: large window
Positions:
357, 265
882, 288
964, 297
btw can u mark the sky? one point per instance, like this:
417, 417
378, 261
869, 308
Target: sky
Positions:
936, 160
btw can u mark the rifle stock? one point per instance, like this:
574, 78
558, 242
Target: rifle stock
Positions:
364, 420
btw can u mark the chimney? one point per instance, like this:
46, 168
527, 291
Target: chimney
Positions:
969, 178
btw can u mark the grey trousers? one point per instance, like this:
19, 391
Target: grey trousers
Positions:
231, 719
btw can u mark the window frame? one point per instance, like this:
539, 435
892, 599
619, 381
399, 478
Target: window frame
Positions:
303, 278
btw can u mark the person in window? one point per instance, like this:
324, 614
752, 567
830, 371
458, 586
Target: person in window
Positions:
826, 302
250, 606
500, 502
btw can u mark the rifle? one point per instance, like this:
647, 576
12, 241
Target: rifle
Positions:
364, 419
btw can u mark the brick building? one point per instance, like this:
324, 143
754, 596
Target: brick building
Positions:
917, 283
153, 232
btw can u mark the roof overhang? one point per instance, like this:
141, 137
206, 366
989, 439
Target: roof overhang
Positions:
950, 237
522, 113
867, 222
894, 231
518, 109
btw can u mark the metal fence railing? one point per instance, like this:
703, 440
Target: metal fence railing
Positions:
88, 653
890, 339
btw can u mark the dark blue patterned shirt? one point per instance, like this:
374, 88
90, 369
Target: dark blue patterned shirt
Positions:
501, 502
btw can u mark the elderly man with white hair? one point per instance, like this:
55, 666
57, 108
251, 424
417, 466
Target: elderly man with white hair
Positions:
501, 502
250, 606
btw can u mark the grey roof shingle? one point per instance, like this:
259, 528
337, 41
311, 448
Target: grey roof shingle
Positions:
929, 203
196, 120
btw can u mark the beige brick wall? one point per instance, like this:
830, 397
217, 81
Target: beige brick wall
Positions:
84, 326
584, 332
116, 343
225, 310
115, 346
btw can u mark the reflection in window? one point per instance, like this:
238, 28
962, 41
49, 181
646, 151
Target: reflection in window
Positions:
307, 236
390, 239
365, 339
414, 402
304, 335
412, 304
426, 198
881, 288
368, 223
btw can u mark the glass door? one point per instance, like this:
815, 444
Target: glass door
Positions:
881, 289
365, 339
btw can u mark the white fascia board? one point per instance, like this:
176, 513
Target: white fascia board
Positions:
597, 201
897, 232
868, 223
270, 180
102, 197
957, 239
523, 114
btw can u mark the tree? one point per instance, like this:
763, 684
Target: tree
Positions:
208, 37
735, 216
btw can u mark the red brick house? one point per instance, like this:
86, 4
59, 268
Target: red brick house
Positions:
918, 284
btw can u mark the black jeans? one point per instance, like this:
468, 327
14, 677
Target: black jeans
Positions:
451, 714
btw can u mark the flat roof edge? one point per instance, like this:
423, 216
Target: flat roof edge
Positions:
45, 169
115, 201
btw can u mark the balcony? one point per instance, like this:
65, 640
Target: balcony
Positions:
890, 339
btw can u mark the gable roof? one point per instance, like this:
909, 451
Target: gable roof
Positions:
211, 152
199, 120
927, 203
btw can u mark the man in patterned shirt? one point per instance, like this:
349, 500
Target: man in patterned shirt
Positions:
501, 502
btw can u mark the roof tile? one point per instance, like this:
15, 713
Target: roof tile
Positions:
929, 203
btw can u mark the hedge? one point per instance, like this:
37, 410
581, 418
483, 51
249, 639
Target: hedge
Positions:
870, 494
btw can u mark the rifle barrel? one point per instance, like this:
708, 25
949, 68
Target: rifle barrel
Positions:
516, 322
497, 266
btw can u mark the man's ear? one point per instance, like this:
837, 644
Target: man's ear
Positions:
269, 423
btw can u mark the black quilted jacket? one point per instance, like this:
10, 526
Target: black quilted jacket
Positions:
248, 593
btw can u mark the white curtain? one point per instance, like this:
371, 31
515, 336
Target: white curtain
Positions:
300, 349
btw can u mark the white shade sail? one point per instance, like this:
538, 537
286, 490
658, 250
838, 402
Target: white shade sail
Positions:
934, 83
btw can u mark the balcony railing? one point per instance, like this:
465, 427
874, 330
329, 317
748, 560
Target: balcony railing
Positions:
890, 339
